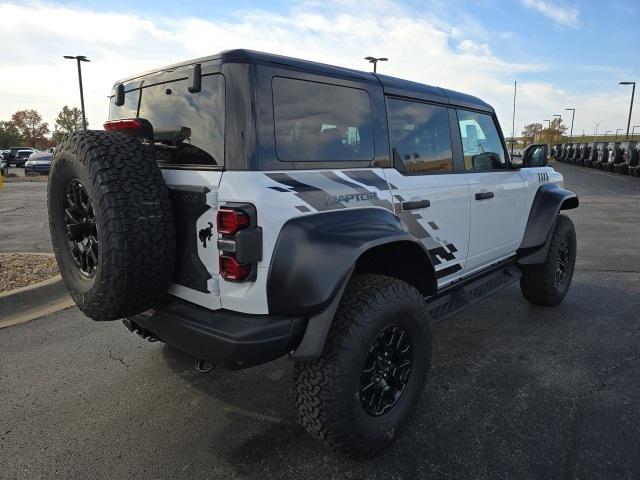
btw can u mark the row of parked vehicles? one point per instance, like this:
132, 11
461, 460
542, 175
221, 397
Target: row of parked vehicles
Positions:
619, 157
32, 160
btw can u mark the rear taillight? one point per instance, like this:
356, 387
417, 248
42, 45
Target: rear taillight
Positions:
230, 221
239, 242
135, 127
232, 270
124, 124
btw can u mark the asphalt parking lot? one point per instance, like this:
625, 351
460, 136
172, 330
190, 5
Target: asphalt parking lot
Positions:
516, 391
24, 226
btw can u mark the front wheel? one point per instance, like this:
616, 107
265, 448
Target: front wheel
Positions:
547, 284
358, 395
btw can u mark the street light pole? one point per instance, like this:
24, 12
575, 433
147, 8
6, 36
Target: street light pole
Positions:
80, 58
548, 129
633, 92
617, 130
633, 130
559, 123
513, 121
375, 61
573, 116
597, 124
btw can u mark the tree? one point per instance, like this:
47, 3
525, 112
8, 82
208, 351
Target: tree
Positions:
31, 127
68, 120
530, 131
554, 131
9, 135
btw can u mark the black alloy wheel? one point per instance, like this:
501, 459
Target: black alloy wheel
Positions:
386, 370
548, 283
80, 222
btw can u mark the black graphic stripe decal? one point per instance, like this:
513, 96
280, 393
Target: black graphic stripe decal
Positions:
280, 189
358, 189
447, 254
410, 219
309, 194
369, 178
445, 272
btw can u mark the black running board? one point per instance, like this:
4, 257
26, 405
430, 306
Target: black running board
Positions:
468, 292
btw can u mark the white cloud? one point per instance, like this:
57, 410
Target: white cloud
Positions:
420, 47
561, 15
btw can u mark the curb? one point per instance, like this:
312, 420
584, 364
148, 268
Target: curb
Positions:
33, 301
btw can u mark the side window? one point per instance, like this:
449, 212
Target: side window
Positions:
321, 122
481, 143
420, 136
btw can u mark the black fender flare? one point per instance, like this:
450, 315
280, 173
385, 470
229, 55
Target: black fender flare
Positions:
315, 254
314, 258
550, 199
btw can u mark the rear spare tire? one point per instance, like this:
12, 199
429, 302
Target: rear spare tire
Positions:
111, 223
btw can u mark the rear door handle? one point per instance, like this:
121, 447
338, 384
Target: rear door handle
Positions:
484, 195
415, 205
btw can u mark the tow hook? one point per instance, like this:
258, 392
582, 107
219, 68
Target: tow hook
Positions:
141, 332
205, 366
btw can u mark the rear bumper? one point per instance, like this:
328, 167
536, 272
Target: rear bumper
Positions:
37, 168
229, 339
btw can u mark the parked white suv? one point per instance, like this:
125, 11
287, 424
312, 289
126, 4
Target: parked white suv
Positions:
246, 206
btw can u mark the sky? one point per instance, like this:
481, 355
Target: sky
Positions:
562, 53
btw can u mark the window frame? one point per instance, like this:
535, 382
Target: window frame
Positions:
454, 134
496, 124
323, 161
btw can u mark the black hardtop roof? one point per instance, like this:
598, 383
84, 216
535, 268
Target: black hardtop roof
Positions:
391, 85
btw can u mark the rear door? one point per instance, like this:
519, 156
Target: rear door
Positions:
430, 198
189, 146
497, 192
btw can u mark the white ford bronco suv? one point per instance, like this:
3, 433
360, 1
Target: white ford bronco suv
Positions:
247, 206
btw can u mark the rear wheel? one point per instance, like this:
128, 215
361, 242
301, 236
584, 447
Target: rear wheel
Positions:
358, 395
111, 224
548, 283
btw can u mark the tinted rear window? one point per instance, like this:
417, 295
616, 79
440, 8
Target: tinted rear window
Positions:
321, 122
420, 136
188, 127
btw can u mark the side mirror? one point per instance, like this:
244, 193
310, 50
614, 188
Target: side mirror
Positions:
535, 155
516, 162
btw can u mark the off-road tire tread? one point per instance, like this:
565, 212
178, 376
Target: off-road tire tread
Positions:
322, 414
137, 241
538, 281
